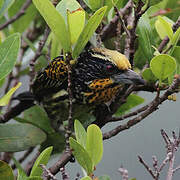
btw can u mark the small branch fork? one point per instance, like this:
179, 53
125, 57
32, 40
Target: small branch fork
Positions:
18, 15
124, 173
166, 39
171, 147
147, 110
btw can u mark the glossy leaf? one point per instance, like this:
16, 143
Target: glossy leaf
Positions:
7, 4
132, 101
21, 175
88, 31
55, 46
55, 21
38, 117
162, 66
148, 75
8, 54
67, 5
95, 4
86, 178
163, 28
145, 37
81, 156
80, 133
42, 159
6, 172
6, 98
104, 177
94, 143
19, 137
76, 20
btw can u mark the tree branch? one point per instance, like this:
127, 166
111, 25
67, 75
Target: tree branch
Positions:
18, 15
38, 54
166, 39
153, 106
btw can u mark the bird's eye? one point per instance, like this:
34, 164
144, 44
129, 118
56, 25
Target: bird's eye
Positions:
109, 67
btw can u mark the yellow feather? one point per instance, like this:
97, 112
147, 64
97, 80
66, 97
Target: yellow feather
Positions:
115, 57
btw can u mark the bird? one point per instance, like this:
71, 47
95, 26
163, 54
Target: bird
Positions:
98, 76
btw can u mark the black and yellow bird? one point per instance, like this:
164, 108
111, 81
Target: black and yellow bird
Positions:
98, 75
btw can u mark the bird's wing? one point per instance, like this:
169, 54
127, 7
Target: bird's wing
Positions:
51, 79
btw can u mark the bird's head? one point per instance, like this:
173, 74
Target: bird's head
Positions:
112, 64
101, 73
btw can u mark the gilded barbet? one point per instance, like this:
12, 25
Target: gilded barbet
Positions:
98, 75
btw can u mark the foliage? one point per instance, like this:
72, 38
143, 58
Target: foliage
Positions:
72, 27
88, 146
36, 172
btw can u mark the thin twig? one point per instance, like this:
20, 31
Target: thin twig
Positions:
118, 13
152, 107
165, 41
38, 54
18, 15
70, 120
64, 159
47, 173
123, 117
146, 166
124, 173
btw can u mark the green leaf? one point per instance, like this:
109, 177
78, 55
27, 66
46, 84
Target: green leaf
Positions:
176, 54
7, 4
55, 22
86, 178
24, 21
94, 143
148, 75
95, 4
145, 37
6, 172
164, 28
132, 101
19, 137
76, 21
21, 175
1, 3
162, 66
2, 81
55, 46
88, 31
34, 178
42, 159
8, 54
70, 5
81, 156
80, 133
6, 98
105, 177
176, 37
38, 117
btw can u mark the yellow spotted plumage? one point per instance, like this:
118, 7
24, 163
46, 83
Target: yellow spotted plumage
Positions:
98, 75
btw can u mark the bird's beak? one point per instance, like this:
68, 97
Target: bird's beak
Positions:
128, 77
